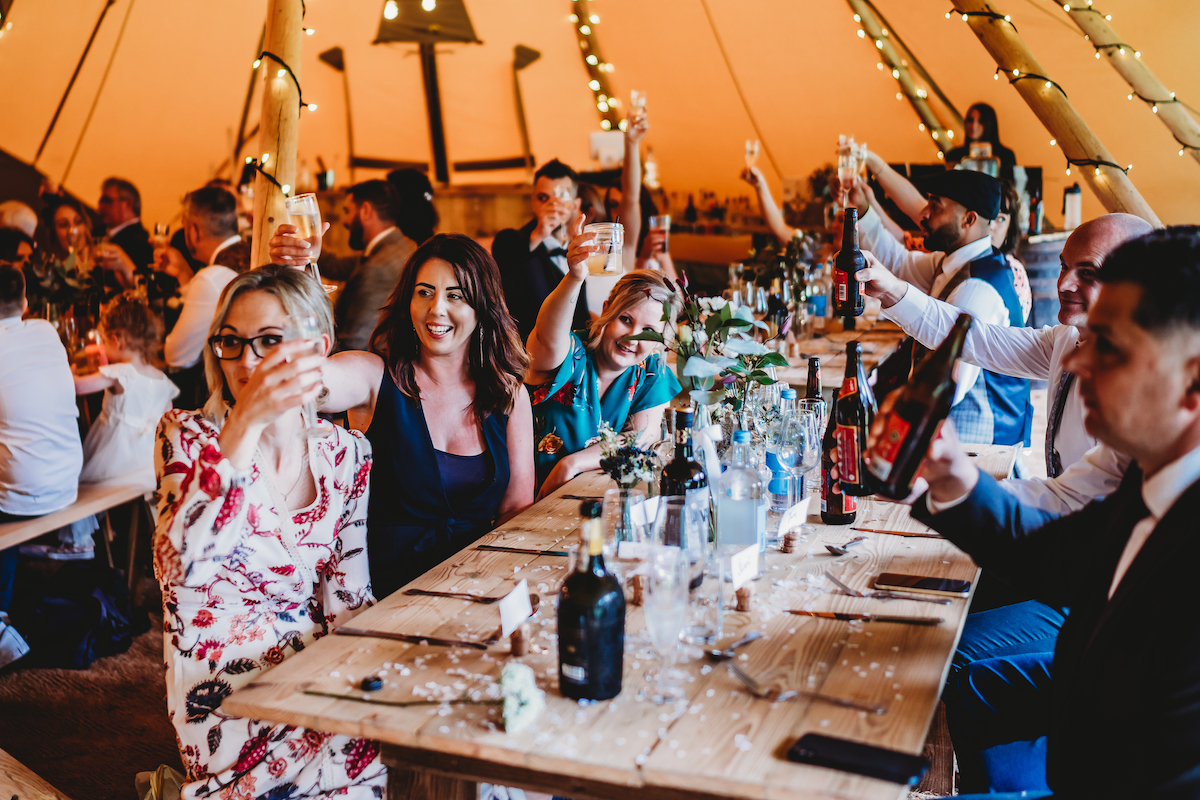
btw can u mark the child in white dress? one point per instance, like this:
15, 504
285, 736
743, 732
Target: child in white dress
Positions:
120, 443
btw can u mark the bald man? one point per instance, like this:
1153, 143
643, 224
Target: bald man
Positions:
15, 214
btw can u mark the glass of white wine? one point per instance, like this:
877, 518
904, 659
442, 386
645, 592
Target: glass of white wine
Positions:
304, 327
304, 212
752, 148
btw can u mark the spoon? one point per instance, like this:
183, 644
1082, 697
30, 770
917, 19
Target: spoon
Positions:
842, 549
727, 653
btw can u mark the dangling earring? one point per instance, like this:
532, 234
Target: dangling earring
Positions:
416, 342
480, 332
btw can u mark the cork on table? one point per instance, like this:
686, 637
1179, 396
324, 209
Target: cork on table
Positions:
721, 741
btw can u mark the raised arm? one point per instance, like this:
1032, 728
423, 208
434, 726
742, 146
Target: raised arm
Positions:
550, 341
897, 187
766, 203
352, 379
630, 210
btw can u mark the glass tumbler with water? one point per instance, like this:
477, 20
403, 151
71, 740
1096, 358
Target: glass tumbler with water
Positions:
304, 327
665, 608
610, 238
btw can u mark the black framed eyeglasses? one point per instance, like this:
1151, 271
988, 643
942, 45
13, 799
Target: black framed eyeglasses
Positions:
228, 347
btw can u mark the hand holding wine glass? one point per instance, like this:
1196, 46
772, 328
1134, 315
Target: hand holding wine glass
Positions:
288, 249
306, 328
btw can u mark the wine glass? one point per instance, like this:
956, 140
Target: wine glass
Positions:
304, 212
752, 148
304, 327
162, 234
620, 527
665, 606
800, 450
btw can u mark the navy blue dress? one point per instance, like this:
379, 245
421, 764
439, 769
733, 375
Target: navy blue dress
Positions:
412, 526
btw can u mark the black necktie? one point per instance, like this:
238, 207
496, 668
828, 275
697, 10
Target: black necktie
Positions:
558, 251
1054, 466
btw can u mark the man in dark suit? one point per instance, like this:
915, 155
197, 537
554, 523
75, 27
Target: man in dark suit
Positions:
533, 259
1119, 705
128, 252
370, 213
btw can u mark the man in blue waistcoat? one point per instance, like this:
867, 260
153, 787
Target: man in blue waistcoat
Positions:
967, 272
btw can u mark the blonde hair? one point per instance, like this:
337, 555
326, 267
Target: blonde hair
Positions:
633, 288
128, 315
298, 293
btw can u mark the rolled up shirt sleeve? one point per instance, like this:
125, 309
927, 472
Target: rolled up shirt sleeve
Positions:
913, 266
979, 299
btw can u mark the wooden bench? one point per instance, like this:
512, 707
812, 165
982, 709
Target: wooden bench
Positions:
18, 781
92, 499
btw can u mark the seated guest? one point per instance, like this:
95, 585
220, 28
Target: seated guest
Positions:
967, 272
981, 125
1006, 237
210, 225
127, 251
1116, 703
533, 259
246, 577
584, 377
40, 451
417, 217
15, 214
441, 400
16, 248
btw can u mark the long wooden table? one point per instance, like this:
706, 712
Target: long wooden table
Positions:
720, 742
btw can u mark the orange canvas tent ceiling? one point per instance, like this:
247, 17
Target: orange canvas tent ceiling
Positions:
160, 95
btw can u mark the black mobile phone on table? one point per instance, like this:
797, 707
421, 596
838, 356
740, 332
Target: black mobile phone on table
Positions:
858, 758
921, 584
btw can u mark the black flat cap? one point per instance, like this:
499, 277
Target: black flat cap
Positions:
973, 190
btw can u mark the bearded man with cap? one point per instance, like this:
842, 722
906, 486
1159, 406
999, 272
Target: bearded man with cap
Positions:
968, 272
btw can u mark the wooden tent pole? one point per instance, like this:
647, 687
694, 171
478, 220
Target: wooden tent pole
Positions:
942, 137
1144, 84
1110, 184
280, 119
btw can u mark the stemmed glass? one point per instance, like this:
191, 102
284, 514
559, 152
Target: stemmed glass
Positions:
847, 167
621, 527
304, 327
666, 600
800, 449
751, 152
305, 214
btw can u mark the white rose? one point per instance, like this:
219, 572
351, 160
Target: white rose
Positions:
685, 334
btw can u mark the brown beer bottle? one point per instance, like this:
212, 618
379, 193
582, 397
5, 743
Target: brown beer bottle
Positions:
855, 411
847, 299
837, 507
921, 406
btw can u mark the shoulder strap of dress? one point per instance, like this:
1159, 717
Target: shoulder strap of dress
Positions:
287, 526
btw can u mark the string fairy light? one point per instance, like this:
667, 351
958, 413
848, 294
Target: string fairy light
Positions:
285, 70
1018, 75
989, 15
584, 22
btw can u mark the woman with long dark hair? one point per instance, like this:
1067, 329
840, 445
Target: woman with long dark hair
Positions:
981, 125
441, 399
418, 218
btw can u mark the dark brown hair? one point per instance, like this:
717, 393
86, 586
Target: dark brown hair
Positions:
495, 356
1010, 203
129, 316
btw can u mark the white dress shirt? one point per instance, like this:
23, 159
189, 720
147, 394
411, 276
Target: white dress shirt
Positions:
1159, 493
185, 342
40, 450
111, 232
931, 272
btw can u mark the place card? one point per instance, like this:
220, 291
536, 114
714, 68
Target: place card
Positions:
633, 551
515, 608
795, 516
743, 566
643, 513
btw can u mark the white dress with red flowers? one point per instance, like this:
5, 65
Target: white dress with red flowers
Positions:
235, 603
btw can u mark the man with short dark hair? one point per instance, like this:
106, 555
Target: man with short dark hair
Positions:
15, 247
40, 450
121, 212
1117, 704
369, 214
533, 259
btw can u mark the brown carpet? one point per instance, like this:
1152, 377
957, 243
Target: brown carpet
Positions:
88, 732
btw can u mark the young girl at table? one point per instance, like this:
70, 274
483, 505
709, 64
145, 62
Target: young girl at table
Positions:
579, 379
120, 443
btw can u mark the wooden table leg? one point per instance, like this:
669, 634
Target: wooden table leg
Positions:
406, 783
135, 511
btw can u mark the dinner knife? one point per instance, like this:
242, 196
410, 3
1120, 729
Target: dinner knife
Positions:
848, 617
526, 550
411, 638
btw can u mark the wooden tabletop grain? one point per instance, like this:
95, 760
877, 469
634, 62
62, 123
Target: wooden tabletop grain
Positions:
720, 741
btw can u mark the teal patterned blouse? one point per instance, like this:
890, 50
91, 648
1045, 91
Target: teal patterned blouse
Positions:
568, 410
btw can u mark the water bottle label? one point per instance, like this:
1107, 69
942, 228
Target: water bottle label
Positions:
883, 454
780, 477
848, 454
819, 305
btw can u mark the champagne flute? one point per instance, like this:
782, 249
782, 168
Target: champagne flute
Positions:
752, 148
304, 327
162, 234
621, 527
665, 608
304, 212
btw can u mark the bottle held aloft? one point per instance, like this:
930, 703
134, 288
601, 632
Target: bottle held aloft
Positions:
855, 412
921, 405
848, 300
591, 620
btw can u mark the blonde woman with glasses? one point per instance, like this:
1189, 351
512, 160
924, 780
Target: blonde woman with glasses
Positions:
260, 547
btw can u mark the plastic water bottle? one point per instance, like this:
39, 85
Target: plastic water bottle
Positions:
780, 461
741, 513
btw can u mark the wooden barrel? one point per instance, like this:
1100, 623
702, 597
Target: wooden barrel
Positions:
1040, 255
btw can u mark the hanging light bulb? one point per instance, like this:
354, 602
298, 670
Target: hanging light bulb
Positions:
1007, 18
585, 30
949, 134
309, 31
1067, 7
257, 63
391, 9
964, 17
921, 126
862, 34
1154, 108
879, 65
595, 20
1097, 54
573, 18
1053, 142
312, 106
896, 74
266, 157
935, 135
1068, 172
623, 124
857, 18
1016, 72
1129, 96
1121, 50
1137, 53
286, 188
878, 44
281, 72
429, 5
594, 85
1097, 171
591, 59
1108, 16
603, 106
1129, 168
947, 15
605, 124
1048, 84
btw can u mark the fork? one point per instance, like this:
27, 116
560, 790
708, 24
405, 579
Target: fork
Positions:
876, 595
775, 695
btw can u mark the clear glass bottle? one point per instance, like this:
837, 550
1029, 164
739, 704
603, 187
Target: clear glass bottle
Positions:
741, 510
779, 489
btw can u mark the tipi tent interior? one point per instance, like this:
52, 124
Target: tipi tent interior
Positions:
159, 98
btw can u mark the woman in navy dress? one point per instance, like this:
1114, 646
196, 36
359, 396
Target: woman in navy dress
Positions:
441, 399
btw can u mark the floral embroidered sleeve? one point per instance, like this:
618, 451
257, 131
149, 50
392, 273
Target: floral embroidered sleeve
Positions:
201, 501
345, 576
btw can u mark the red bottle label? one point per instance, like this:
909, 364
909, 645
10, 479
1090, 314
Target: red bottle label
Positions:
831, 493
841, 284
883, 455
848, 454
849, 387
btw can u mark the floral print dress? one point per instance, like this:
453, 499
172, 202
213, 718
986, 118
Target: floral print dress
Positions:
235, 603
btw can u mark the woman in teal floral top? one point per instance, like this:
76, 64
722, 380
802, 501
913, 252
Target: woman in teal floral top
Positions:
579, 379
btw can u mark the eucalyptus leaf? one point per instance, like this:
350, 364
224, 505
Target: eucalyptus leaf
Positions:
700, 367
766, 380
746, 347
644, 336
707, 398
773, 360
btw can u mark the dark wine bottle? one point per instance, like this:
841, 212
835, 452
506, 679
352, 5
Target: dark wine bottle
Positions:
848, 300
813, 388
683, 477
837, 507
921, 406
855, 411
591, 620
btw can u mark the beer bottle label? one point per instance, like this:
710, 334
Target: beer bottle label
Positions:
849, 387
841, 285
887, 447
848, 454
831, 494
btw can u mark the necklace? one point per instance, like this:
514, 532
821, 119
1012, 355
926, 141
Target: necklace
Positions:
300, 476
